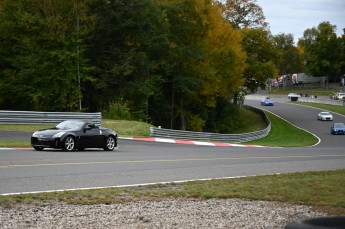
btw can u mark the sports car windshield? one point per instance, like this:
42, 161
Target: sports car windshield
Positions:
67, 125
339, 125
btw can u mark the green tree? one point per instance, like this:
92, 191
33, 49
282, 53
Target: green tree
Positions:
323, 51
261, 56
243, 14
186, 33
127, 50
342, 62
248, 17
39, 58
289, 58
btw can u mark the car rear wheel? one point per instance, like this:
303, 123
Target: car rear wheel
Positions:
68, 143
110, 143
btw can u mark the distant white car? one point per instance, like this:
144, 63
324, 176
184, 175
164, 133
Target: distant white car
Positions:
325, 116
340, 96
293, 95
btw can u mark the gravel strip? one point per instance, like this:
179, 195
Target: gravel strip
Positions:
180, 213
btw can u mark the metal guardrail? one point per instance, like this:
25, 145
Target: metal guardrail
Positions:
213, 137
323, 101
35, 117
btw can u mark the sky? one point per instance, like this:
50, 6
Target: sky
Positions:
295, 16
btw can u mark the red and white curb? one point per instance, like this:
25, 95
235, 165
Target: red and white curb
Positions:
6, 148
186, 142
172, 141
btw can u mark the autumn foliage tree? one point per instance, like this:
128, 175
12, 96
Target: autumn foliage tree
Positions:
247, 16
208, 61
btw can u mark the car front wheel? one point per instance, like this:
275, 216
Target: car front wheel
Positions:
68, 144
110, 143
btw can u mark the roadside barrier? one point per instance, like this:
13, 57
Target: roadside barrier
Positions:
36, 117
214, 137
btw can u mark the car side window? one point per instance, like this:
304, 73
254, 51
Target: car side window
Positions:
91, 126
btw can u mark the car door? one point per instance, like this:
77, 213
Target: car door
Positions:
91, 137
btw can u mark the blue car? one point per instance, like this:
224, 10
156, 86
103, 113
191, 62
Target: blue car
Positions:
267, 102
338, 128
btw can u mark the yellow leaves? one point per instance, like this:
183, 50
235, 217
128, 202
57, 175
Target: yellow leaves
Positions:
300, 49
226, 52
220, 68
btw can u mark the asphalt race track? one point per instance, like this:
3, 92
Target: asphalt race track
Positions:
306, 118
138, 162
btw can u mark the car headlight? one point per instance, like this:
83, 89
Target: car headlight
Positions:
58, 135
34, 134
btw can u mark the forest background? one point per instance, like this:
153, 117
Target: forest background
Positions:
180, 64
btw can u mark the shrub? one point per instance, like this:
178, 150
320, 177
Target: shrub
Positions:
195, 123
118, 110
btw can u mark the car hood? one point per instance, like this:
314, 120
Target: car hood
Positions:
47, 133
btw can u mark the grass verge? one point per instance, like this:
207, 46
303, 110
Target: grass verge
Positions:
332, 108
14, 144
322, 189
311, 91
280, 134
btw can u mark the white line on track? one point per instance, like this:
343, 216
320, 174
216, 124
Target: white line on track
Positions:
120, 186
